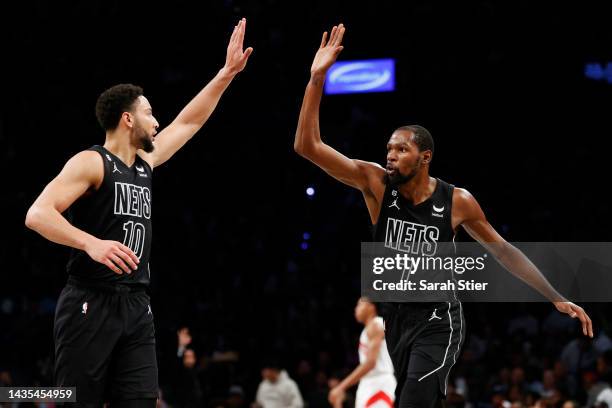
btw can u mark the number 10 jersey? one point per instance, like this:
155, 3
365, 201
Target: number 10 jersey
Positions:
120, 210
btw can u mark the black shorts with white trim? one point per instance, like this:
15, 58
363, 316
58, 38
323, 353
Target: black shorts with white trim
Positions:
424, 340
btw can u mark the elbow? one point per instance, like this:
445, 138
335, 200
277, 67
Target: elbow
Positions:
301, 142
33, 218
302, 149
298, 148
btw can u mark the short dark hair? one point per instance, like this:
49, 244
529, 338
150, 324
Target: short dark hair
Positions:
113, 102
422, 138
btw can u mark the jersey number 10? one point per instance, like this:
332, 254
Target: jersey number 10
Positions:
134, 237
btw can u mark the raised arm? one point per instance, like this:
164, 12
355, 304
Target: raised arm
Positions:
196, 113
467, 212
82, 174
308, 144
376, 336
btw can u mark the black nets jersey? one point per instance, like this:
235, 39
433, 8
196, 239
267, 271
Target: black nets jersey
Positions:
421, 230
120, 210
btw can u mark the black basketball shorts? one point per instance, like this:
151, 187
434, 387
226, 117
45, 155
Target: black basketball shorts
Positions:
105, 343
424, 342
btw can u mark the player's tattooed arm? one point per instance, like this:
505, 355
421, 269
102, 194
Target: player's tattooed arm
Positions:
82, 174
365, 176
467, 213
198, 110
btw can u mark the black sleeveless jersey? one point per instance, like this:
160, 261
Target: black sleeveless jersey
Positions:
422, 230
120, 210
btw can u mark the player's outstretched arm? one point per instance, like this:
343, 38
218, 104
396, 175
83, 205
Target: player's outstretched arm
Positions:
308, 144
196, 113
81, 174
472, 218
376, 335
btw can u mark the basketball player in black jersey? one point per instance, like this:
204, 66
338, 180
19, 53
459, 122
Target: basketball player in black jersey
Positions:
104, 334
423, 339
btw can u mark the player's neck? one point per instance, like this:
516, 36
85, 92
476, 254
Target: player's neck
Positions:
369, 320
419, 189
118, 143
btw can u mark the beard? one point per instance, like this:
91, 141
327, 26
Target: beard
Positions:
398, 178
147, 145
145, 142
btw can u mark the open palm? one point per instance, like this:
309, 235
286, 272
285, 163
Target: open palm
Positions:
328, 51
236, 58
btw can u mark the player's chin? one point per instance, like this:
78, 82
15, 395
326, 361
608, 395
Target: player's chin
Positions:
394, 176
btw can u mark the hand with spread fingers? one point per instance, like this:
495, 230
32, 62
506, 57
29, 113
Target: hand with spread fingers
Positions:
328, 51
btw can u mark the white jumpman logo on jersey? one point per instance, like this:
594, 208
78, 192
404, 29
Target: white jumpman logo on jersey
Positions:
434, 316
115, 169
394, 204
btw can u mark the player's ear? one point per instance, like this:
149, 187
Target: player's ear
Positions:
126, 117
427, 155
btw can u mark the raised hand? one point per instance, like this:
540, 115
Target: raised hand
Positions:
236, 58
328, 51
184, 337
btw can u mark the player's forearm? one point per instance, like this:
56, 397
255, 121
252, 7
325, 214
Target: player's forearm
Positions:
520, 266
357, 374
49, 223
308, 132
199, 109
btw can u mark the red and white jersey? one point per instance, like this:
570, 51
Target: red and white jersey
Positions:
384, 366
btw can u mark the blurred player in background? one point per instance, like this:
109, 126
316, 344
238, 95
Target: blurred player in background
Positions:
375, 370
